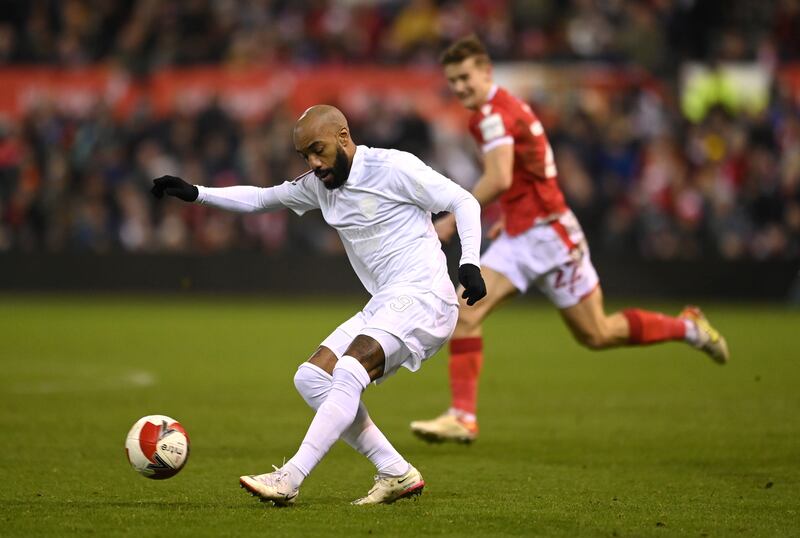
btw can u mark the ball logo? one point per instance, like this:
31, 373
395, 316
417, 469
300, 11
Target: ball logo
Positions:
172, 449
157, 446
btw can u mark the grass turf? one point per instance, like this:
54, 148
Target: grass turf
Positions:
634, 442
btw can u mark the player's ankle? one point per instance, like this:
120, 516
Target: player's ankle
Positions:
692, 335
294, 475
396, 469
462, 414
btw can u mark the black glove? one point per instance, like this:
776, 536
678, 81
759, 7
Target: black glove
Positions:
470, 277
174, 186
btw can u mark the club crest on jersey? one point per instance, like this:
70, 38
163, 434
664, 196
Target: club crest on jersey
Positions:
368, 206
492, 127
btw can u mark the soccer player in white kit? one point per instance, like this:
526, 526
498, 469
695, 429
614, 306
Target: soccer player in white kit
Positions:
380, 202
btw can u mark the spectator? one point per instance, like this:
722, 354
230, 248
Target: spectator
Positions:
641, 177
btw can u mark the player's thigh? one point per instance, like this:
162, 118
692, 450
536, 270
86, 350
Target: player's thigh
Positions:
324, 358
498, 289
416, 322
586, 318
371, 348
336, 344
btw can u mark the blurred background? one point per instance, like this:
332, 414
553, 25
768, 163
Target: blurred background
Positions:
675, 126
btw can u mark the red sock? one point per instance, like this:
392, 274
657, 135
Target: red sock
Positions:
651, 327
466, 358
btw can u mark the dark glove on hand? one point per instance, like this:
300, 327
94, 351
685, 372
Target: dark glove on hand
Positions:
470, 277
174, 186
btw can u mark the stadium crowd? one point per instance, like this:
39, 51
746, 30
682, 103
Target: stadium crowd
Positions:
148, 34
641, 177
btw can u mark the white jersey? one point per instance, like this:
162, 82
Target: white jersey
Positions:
382, 214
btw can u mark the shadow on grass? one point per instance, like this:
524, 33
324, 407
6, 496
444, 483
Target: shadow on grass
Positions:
249, 504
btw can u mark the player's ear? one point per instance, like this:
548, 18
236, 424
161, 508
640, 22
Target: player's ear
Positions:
344, 137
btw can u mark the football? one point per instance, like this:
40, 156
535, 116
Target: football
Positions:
157, 446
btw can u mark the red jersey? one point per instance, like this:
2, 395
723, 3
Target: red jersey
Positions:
534, 195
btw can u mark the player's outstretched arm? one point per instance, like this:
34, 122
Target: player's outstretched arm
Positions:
239, 198
174, 186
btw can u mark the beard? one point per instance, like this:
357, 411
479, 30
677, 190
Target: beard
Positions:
339, 172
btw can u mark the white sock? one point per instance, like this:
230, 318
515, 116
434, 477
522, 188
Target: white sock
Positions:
370, 441
334, 416
313, 383
462, 415
692, 334
296, 476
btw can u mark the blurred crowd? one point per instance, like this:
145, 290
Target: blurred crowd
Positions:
642, 179
144, 35
72, 183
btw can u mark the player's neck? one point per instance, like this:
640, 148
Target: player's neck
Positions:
491, 91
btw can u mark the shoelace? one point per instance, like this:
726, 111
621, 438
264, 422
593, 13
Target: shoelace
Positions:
275, 477
377, 478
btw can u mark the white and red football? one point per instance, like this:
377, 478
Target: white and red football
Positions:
157, 446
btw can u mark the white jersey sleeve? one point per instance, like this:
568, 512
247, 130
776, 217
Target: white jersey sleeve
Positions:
299, 196
434, 192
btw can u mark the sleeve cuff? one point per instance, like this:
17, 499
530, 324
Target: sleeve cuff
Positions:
201, 196
502, 141
470, 260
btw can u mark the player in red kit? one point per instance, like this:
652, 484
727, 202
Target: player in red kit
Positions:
541, 244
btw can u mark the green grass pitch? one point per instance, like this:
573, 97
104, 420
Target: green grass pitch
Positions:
654, 441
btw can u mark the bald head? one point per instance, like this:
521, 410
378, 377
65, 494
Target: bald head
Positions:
321, 119
322, 138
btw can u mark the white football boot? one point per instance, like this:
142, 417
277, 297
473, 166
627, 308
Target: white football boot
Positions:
272, 486
446, 427
388, 489
710, 340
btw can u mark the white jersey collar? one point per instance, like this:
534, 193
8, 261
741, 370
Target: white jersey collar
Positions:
492, 92
357, 166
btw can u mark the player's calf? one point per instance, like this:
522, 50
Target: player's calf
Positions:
600, 334
595, 341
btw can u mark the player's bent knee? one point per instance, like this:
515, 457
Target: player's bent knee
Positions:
324, 358
312, 382
593, 340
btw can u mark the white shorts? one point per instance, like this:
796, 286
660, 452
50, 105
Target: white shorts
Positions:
421, 321
553, 255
